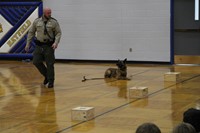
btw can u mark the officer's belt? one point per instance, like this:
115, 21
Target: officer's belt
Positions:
48, 43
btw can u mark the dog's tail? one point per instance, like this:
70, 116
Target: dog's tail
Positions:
84, 79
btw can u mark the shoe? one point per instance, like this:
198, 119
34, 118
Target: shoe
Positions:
45, 81
50, 85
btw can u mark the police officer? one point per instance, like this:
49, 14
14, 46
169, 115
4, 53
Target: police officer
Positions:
48, 33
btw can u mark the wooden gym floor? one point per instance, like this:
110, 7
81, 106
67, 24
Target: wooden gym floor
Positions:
28, 107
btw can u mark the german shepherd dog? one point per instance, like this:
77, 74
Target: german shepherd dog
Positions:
119, 73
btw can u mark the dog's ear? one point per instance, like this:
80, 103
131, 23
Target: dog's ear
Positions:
125, 60
118, 61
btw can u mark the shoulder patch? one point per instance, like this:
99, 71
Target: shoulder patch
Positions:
37, 18
53, 18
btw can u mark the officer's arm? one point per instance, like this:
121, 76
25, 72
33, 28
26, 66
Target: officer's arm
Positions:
57, 33
31, 34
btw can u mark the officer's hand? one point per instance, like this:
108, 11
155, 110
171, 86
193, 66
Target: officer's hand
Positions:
54, 46
27, 49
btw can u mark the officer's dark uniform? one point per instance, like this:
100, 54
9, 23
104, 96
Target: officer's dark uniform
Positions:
46, 32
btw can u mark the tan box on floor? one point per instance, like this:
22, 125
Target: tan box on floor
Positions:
137, 92
172, 76
82, 113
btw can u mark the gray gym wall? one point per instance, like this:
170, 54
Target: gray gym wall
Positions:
138, 30
187, 30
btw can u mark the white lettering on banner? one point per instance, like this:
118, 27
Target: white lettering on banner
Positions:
19, 33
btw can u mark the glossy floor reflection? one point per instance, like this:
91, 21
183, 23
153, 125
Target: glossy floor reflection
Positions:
26, 106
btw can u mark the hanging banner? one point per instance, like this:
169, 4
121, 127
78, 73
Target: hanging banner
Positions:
16, 19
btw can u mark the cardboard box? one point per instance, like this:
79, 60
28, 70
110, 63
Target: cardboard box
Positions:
172, 76
82, 113
137, 92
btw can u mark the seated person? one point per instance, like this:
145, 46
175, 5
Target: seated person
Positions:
192, 116
184, 128
148, 128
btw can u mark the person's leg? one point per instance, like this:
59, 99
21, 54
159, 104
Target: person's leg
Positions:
50, 60
38, 58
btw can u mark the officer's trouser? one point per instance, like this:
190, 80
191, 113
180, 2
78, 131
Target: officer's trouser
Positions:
45, 53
